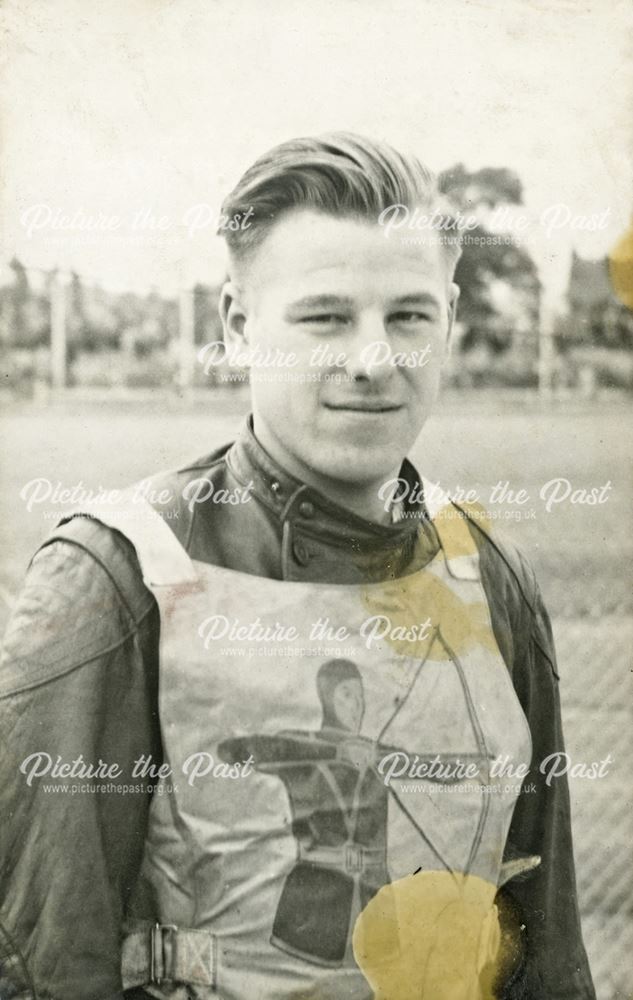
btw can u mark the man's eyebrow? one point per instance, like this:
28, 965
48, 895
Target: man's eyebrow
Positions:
321, 302
330, 302
416, 299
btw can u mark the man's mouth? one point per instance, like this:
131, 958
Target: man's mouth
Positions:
364, 406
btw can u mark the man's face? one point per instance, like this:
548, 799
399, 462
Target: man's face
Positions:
367, 318
349, 704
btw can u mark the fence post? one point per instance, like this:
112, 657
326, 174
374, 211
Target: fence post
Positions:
58, 331
186, 344
546, 353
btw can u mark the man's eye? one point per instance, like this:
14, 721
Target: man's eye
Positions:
324, 319
411, 318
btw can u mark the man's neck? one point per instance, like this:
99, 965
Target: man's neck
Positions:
362, 499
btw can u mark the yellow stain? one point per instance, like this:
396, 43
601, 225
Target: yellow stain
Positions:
452, 527
409, 600
430, 936
621, 269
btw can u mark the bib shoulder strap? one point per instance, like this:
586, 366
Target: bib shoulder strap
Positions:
452, 526
163, 560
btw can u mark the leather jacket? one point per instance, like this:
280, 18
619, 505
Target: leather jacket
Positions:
79, 674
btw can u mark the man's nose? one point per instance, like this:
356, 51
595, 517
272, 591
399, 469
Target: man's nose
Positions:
367, 349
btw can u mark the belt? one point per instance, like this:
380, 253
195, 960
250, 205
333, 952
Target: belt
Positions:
164, 952
350, 858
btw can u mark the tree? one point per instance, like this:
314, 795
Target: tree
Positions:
490, 260
29, 311
470, 191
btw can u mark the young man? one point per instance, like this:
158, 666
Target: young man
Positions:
285, 657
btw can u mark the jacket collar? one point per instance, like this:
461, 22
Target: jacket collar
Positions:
292, 501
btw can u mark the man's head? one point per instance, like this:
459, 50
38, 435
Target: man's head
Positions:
365, 313
340, 688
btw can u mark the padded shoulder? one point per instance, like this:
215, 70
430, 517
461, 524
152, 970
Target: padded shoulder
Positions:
82, 599
116, 556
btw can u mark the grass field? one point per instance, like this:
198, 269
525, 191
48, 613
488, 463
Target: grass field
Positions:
472, 444
582, 555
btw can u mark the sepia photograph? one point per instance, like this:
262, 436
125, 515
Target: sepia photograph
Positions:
316, 617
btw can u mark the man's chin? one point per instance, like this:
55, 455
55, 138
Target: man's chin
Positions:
363, 468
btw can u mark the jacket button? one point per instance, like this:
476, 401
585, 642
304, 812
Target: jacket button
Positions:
306, 509
300, 552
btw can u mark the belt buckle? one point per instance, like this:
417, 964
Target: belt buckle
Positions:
353, 858
157, 962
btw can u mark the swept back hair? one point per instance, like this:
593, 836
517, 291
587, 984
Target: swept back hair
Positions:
340, 174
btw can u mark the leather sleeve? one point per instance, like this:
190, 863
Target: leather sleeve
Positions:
77, 678
546, 899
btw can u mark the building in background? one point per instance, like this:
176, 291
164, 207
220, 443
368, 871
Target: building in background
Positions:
595, 338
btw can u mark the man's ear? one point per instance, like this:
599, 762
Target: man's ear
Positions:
453, 296
233, 315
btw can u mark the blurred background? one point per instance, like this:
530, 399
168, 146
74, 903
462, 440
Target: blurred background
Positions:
122, 130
